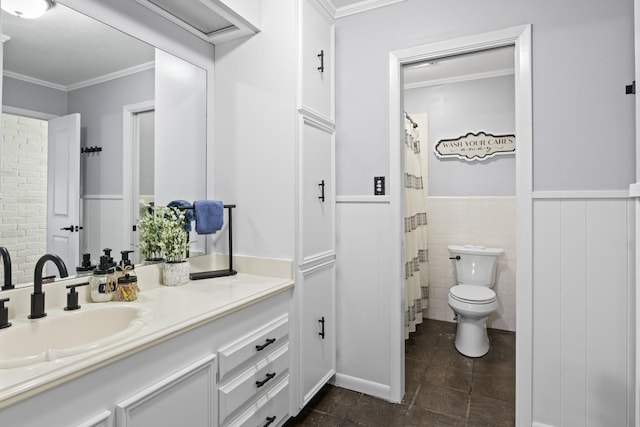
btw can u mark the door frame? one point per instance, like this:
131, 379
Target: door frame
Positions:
130, 158
520, 38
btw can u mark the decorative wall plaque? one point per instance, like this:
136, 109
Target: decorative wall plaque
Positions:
476, 146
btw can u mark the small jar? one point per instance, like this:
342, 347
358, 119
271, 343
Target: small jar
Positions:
102, 285
127, 288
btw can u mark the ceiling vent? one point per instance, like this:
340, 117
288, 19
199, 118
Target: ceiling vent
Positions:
212, 20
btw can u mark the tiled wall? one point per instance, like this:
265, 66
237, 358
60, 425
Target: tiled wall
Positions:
488, 221
23, 193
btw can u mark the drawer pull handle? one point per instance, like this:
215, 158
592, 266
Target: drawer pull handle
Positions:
270, 420
266, 380
321, 333
263, 346
321, 196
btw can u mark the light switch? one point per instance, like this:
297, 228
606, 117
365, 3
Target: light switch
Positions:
378, 185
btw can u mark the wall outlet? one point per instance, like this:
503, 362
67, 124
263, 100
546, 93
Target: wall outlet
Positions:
378, 185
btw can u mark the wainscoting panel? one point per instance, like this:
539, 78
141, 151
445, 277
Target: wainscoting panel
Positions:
582, 311
362, 296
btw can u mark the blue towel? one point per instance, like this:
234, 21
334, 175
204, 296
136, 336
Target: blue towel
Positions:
189, 215
209, 216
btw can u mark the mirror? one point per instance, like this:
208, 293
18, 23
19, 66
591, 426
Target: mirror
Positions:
142, 137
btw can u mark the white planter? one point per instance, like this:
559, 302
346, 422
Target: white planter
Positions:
175, 273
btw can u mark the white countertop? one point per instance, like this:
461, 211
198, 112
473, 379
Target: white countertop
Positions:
174, 310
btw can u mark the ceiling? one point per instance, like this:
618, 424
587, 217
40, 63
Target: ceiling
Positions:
486, 63
65, 48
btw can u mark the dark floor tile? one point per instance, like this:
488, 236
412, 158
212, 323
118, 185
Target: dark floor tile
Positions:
373, 412
446, 376
416, 351
440, 325
443, 400
335, 401
410, 390
497, 368
487, 412
414, 369
315, 418
494, 387
418, 417
450, 358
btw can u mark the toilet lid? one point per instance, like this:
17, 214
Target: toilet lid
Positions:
472, 294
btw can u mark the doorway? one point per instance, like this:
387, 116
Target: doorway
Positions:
520, 38
139, 174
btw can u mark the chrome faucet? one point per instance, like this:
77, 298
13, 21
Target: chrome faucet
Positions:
37, 297
6, 261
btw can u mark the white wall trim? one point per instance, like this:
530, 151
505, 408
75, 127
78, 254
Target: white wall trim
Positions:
101, 197
27, 113
462, 78
112, 76
130, 156
79, 85
362, 6
363, 199
520, 37
381, 391
579, 194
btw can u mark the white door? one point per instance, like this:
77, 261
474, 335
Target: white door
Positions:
63, 189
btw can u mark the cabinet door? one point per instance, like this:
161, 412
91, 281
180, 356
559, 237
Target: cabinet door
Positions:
186, 398
316, 190
316, 62
317, 329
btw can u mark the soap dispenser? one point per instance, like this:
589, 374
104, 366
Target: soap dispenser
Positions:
110, 261
85, 268
125, 266
102, 282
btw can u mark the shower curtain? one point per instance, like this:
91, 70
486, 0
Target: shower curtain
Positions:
415, 229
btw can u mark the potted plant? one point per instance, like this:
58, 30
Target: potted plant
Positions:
163, 235
174, 242
150, 227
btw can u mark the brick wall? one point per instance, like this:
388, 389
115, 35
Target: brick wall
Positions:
23, 193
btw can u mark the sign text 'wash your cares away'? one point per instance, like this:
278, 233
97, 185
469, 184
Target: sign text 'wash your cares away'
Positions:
476, 146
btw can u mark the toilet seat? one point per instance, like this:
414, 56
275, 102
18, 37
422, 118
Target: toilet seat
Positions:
472, 294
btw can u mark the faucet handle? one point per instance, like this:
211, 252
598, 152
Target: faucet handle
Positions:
72, 296
4, 314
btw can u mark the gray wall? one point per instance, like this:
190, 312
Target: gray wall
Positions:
100, 107
453, 110
583, 57
34, 97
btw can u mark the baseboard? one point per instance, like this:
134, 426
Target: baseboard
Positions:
537, 424
381, 391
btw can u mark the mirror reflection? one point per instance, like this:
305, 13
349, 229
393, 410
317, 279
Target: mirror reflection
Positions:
96, 125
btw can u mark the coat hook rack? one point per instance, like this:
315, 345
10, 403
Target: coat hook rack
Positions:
93, 149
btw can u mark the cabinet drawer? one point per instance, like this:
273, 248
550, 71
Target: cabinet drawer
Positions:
271, 409
253, 345
255, 380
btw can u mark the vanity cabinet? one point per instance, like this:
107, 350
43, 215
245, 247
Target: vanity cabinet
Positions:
205, 376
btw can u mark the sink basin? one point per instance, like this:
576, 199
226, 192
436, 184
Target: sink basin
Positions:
66, 333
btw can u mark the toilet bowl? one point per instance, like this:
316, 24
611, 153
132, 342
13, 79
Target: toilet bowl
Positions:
471, 299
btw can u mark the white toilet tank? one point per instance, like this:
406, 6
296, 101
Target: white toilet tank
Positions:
476, 265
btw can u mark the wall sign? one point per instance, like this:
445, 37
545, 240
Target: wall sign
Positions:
476, 146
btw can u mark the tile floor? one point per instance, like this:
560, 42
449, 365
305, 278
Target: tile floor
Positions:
443, 388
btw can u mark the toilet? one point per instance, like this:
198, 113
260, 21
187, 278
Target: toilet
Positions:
472, 298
